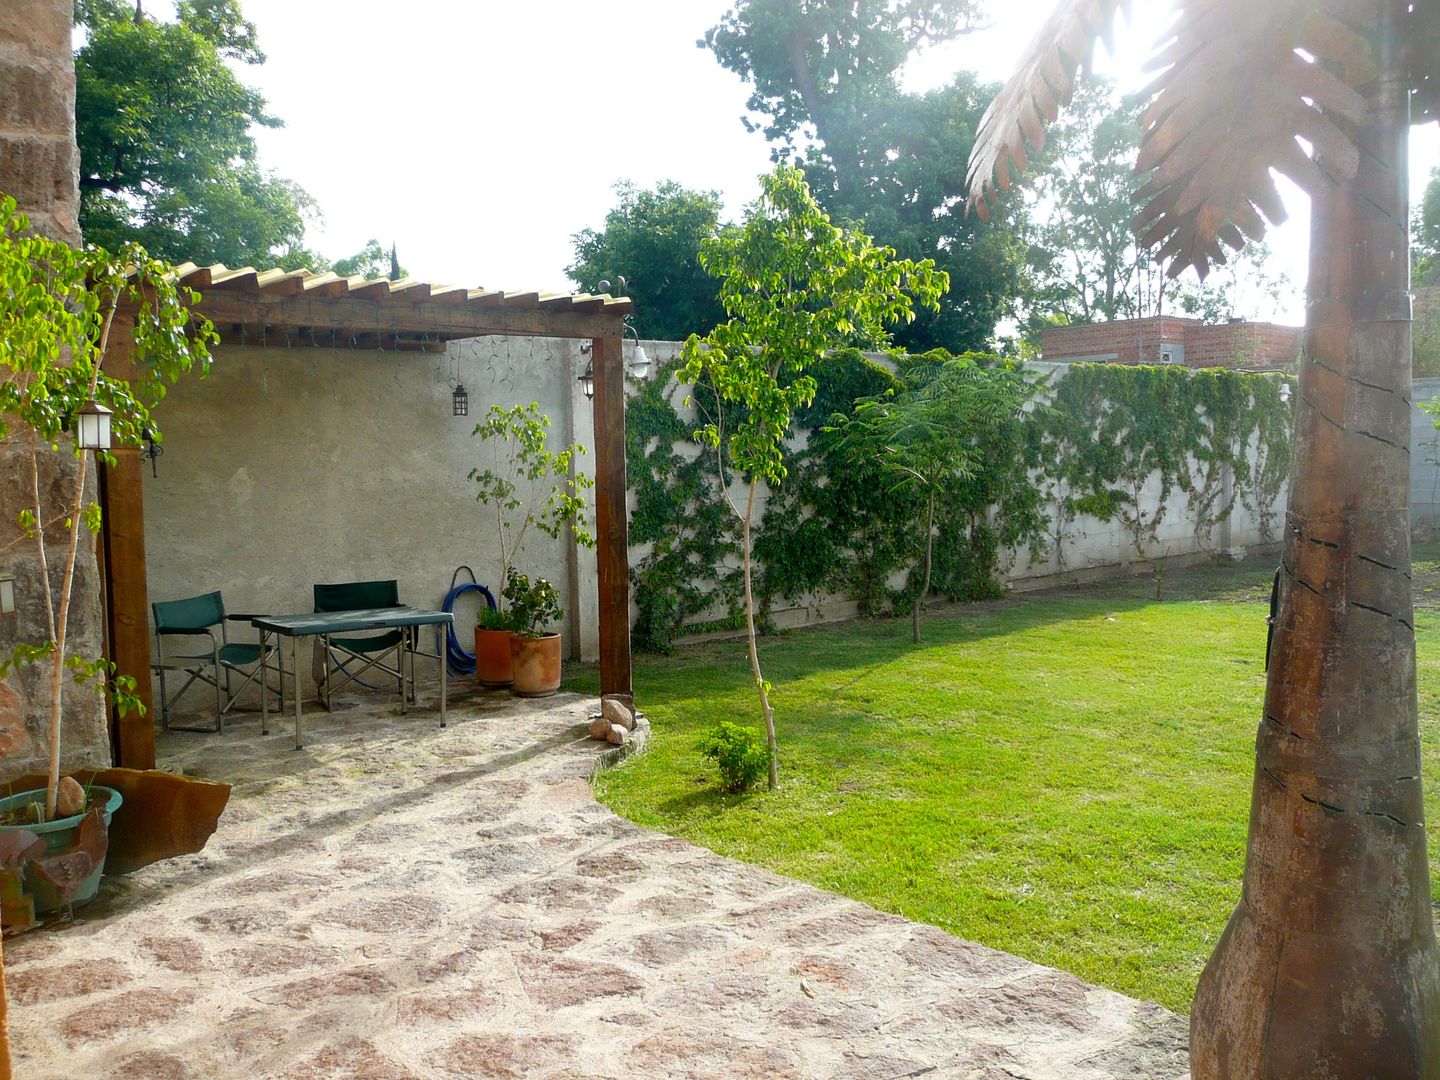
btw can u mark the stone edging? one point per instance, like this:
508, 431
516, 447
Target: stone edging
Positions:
612, 756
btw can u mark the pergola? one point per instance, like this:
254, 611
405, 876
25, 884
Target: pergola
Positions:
276, 308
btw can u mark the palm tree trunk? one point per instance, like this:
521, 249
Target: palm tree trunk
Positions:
1328, 967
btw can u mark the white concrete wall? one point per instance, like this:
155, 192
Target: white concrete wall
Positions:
292, 466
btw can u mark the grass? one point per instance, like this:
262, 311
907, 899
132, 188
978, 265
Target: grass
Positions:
1063, 776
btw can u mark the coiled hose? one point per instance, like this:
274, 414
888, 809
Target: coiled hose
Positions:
459, 661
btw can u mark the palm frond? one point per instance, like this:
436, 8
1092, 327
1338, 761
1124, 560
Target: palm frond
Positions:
1422, 40
1242, 83
1035, 94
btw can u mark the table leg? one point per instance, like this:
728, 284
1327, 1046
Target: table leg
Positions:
444, 681
265, 689
295, 665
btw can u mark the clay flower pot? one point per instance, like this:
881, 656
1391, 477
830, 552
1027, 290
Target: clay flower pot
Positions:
59, 836
492, 657
536, 665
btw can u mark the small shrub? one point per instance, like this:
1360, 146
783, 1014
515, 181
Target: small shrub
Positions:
739, 753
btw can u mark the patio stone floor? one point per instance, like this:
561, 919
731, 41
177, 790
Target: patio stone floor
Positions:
397, 902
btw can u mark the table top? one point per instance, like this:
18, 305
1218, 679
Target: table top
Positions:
340, 622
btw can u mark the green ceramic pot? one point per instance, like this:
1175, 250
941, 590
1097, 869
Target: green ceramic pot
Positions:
59, 835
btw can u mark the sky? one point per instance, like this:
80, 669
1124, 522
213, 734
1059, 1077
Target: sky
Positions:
480, 135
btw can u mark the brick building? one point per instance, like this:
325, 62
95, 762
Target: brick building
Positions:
1168, 339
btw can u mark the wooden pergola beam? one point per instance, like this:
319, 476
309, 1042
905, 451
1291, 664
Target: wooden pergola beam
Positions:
612, 532
436, 318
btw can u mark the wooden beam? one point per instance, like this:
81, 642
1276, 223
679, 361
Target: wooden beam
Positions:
127, 614
611, 529
391, 316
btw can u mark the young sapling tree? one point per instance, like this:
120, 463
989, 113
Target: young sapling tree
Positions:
60, 316
793, 286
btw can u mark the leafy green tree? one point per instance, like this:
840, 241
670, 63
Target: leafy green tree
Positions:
652, 238
1427, 233
58, 308
1085, 261
934, 433
793, 286
891, 162
164, 126
371, 261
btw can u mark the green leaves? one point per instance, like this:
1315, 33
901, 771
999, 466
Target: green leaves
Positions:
533, 605
793, 286
527, 485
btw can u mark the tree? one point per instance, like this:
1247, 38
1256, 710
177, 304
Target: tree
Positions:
890, 162
934, 434
1427, 233
793, 286
371, 261
59, 311
1084, 255
1328, 965
652, 238
164, 126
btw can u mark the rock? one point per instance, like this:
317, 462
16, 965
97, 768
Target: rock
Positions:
599, 728
618, 735
69, 797
614, 711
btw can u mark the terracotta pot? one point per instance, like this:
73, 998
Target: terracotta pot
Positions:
536, 663
492, 657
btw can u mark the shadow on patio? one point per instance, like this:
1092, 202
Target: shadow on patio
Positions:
400, 901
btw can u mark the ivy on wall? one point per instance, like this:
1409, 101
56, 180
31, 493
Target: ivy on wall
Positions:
1092, 445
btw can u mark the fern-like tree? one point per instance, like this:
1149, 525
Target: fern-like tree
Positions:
793, 286
1328, 966
932, 433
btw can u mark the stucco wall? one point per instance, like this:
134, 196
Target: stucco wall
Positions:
296, 465
288, 467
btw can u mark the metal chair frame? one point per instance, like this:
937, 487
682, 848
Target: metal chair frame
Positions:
200, 667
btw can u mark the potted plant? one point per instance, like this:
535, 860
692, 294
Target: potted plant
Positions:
534, 653
61, 310
493, 630
524, 486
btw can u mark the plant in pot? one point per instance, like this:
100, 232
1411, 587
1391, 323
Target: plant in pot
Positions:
534, 652
61, 312
524, 486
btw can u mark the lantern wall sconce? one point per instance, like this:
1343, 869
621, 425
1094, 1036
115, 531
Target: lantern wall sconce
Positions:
459, 401
151, 451
92, 426
1285, 391
7, 594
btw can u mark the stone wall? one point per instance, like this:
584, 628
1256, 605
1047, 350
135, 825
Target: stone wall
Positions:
38, 166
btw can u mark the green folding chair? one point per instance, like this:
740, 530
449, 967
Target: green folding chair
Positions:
354, 656
194, 617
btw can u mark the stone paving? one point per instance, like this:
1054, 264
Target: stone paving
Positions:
398, 902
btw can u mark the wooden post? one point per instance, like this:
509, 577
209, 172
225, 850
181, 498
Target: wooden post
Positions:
611, 527
127, 617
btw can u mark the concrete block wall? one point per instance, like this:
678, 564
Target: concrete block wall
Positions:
1192, 342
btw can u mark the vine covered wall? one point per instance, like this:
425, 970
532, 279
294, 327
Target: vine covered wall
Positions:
1152, 461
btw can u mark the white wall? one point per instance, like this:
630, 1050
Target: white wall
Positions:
292, 466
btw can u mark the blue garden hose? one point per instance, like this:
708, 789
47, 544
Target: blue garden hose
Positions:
460, 661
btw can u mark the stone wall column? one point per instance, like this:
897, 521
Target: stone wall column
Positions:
39, 166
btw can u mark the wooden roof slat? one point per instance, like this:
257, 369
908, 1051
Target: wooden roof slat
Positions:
326, 284
525, 298
282, 282
246, 278
378, 289
450, 294
411, 290
561, 301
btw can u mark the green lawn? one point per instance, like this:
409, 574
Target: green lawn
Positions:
1064, 776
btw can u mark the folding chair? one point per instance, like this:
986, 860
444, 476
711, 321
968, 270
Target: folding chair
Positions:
197, 616
354, 656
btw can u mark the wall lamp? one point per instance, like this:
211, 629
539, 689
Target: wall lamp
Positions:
7, 594
92, 426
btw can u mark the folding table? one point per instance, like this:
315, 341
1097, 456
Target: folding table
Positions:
325, 623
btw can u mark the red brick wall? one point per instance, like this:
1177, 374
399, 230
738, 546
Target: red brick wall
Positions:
1138, 341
